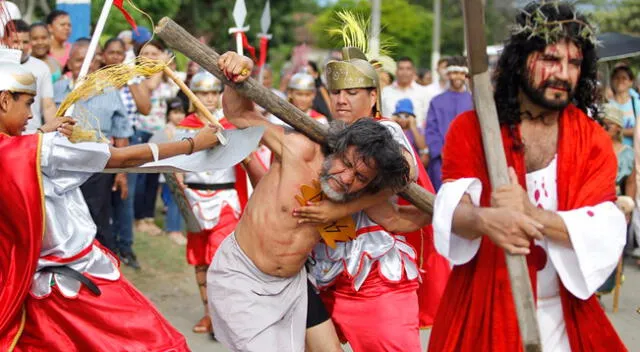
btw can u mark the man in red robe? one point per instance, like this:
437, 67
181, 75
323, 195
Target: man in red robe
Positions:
559, 209
59, 289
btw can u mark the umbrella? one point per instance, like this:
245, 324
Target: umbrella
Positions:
617, 46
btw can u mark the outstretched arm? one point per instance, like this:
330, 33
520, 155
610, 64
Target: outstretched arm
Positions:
241, 111
139, 154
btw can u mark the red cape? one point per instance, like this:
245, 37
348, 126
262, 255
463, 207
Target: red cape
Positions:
21, 229
192, 121
435, 268
479, 313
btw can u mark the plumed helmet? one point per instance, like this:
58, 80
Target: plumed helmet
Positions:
13, 77
205, 82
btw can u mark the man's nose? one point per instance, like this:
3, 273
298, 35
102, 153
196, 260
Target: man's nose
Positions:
342, 97
347, 178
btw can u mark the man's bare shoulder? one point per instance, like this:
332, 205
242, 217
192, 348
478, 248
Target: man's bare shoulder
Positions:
300, 146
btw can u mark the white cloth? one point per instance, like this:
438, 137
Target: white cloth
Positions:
415, 92
69, 228
581, 269
253, 311
44, 90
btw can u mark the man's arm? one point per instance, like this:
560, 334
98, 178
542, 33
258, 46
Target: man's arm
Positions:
241, 111
48, 109
142, 96
398, 218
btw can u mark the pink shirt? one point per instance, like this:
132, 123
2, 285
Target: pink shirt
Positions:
64, 58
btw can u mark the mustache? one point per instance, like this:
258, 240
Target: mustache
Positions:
556, 84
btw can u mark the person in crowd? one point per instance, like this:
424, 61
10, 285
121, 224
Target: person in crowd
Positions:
41, 46
108, 110
136, 100
439, 84
44, 109
404, 116
622, 78
59, 25
158, 91
173, 219
405, 86
302, 92
442, 110
321, 102
127, 38
425, 77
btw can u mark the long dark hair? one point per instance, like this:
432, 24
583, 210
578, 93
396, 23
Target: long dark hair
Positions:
510, 70
374, 144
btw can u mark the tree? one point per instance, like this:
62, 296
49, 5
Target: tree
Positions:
619, 16
405, 26
154, 9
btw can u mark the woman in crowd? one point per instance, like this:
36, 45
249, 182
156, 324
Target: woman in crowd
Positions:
59, 25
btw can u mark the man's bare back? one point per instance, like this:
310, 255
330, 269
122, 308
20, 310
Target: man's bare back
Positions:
268, 234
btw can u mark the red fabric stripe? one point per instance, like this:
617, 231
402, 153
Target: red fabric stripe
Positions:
82, 253
118, 4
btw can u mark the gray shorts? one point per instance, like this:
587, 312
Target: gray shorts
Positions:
253, 311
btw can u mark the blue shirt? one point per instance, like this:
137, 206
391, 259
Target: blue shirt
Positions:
631, 112
107, 108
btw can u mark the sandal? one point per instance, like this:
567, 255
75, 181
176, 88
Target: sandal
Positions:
203, 326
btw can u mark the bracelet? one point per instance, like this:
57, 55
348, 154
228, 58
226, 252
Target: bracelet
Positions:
154, 150
40, 130
424, 151
191, 143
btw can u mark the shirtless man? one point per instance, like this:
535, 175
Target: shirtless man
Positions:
257, 283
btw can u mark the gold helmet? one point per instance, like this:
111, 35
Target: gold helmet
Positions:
354, 70
13, 77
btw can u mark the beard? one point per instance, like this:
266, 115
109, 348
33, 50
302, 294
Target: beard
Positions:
330, 192
537, 96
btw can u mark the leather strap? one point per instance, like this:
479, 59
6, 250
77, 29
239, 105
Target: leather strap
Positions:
67, 271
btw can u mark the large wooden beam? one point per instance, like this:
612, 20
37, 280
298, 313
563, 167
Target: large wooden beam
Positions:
178, 38
497, 164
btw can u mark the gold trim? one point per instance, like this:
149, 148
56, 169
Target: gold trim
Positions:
23, 321
40, 183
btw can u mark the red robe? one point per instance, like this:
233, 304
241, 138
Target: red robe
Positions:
478, 313
21, 229
434, 267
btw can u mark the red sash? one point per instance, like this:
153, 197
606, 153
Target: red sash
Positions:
478, 313
21, 229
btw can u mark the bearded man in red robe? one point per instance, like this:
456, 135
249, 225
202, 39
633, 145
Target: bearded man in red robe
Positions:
559, 209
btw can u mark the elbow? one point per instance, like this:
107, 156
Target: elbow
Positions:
144, 107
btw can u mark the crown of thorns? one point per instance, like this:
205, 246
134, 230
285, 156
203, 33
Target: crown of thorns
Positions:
537, 24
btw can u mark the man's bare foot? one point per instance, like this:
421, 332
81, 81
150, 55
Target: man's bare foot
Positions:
203, 326
151, 228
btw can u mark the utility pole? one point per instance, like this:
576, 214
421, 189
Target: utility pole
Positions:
374, 41
435, 51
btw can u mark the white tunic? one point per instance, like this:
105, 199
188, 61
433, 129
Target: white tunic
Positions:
597, 235
372, 244
69, 230
207, 205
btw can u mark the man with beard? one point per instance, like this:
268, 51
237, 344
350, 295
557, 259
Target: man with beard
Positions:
559, 209
443, 109
257, 283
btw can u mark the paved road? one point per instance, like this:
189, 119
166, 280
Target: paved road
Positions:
178, 301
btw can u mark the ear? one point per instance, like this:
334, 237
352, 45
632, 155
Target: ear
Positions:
5, 101
373, 97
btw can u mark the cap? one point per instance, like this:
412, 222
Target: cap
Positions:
13, 77
404, 106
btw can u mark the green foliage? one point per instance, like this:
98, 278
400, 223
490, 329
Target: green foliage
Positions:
619, 16
404, 26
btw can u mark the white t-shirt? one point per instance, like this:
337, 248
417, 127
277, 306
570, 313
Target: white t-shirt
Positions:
417, 93
44, 90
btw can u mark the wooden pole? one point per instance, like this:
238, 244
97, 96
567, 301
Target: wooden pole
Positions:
196, 102
178, 38
497, 165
